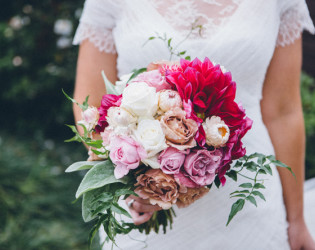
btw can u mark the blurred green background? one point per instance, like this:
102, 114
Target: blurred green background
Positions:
37, 60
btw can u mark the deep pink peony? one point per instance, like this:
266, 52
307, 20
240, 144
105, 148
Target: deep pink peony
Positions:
171, 160
126, 154
207, 91
107, 102
199, 168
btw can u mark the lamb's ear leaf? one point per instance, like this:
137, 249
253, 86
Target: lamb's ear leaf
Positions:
98, 176
110, 88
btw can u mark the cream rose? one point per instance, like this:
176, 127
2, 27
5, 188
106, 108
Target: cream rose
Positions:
120, 120
217, 132
140, 99
89, 118
150, 135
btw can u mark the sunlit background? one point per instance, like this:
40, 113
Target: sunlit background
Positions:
37, 60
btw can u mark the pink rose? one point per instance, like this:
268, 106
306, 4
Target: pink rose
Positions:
126, 154
153, 79
199, 168
172, 159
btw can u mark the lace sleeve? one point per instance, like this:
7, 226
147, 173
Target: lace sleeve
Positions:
294, 19
96, 24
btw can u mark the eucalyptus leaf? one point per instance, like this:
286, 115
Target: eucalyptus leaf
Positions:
98, 176
81, 165
232, 174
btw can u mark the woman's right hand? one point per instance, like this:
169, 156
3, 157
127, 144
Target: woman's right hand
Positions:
140, 209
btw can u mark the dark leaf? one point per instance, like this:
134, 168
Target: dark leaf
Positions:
257, 193
236, 207
252, 200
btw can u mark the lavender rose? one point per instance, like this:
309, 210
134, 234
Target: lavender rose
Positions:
179, 131
199, 168
172, 159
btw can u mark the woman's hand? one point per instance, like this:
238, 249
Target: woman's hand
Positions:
141, 210
299, 236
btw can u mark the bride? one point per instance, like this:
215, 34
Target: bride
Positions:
260, 43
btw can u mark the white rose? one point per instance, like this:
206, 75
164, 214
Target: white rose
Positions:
150, 135
140, 99
217, 132
89, 118
121, 84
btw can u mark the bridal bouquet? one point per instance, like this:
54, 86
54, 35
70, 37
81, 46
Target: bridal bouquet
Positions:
166, 133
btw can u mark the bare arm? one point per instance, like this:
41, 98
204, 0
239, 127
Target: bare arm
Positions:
89, 81
282, 114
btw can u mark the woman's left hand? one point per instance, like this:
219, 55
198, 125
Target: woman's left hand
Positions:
299, 236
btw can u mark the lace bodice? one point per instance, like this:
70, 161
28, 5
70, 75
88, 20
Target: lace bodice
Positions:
210, 14
242, 36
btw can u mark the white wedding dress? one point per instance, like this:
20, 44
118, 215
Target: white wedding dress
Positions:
242, 36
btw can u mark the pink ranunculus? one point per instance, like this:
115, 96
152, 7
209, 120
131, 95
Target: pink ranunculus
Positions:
126, 154
172, 159
153, 79
107, 102
199, 168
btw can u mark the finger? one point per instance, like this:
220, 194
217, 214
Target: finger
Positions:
144, 208
139, 219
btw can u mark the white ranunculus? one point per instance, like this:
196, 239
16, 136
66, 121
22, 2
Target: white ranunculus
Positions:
217, 132
150, 135
121, 84
120, 120
140, 99
89, 118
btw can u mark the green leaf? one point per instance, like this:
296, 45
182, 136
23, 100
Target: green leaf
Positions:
169, 42
238, 195
151, 38
238, 164
236, 207
118, 209
217, 182
252, 200
232, 174
259, 185
267, 168
121, 192
110, 88
182, 52
136, 72
81, 165
103, 197
246, 185
98, 176
83, 107
257, 193
187, 58
89, 206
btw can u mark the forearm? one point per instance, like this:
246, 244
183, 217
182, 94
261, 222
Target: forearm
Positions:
288, 137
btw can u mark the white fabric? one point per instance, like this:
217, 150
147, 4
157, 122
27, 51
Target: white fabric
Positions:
244, 42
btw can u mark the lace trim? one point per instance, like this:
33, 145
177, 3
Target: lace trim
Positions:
211, 14
101, 37
292, 24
